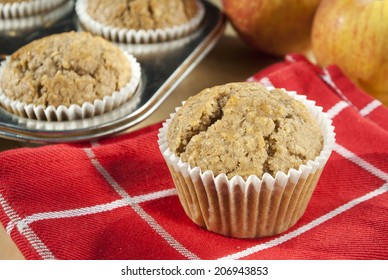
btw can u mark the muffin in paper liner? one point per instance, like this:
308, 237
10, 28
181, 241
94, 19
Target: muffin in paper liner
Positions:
28, 8
74, 111
252, 208
145, 49
29, 21
133, 36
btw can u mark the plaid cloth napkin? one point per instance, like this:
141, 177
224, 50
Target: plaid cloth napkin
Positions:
114, 199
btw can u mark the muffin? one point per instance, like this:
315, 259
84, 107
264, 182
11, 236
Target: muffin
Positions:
23, 8
18, 15
140, 21
67, 76
245, 159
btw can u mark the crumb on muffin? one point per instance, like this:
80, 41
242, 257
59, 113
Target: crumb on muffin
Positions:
244, 129
64, 69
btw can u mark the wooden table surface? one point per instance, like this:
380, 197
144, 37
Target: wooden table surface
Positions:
230, 61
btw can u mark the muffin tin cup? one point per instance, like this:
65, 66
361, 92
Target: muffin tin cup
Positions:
29, 21
27, 8
132, 36
74, 111
254, 208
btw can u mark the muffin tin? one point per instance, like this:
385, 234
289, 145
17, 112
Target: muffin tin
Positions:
163, 65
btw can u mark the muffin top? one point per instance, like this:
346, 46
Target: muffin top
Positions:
142, 14
244, 129
64, 69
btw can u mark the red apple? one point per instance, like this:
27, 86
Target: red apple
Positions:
354, 35
273, 26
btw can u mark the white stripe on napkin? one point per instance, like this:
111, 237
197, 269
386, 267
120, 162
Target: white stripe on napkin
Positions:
139, 210
370, 108
28, 233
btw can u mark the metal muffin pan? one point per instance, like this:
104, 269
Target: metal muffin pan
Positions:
163, 67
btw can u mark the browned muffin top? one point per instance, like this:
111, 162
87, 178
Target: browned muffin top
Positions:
64, 69
244, 129
142, 14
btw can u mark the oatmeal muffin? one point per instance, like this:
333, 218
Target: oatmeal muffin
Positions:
245, 159
173, 17
25, 8
244, 129
66, 69
142, 14
27, 15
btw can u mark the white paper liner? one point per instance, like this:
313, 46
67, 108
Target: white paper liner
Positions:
74, 111
139, 50
27, 8
34, 21
255, 207
132, 36
125, 109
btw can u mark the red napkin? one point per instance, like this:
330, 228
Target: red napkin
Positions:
114, 199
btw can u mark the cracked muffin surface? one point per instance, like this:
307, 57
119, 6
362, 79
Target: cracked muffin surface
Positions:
142, 14
64, 69
244, 129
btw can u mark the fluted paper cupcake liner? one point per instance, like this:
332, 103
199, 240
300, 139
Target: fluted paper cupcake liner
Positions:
74, 111
132, 36
27, 8
257, 207
139, 50
67, 125
33, 21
